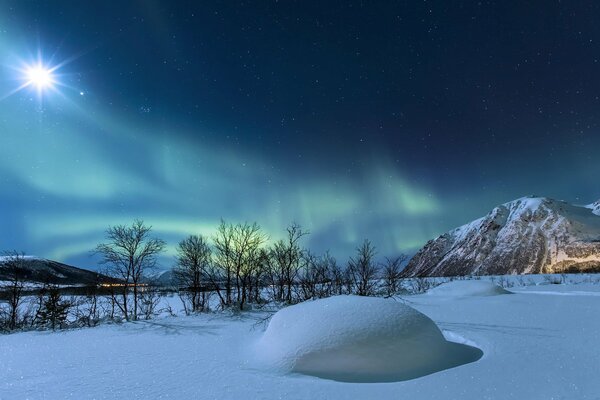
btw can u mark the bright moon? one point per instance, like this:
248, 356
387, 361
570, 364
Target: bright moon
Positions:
39, 76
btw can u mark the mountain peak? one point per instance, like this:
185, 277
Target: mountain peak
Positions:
527, 235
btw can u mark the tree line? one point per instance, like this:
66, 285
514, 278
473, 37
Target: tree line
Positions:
239, 267
235, 268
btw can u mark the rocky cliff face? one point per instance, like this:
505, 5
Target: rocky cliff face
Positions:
526, 236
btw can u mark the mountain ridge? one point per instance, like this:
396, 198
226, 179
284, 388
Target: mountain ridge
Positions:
40, 270
527, 235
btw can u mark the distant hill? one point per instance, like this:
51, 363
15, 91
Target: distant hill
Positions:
531, 235
39, 270
160, 278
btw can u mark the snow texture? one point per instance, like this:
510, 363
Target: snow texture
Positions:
359, 339
540, 343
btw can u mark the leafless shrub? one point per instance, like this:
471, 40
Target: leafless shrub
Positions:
317, 277
363, 271
421, 284
88, 311
392, 274
13, 264
149, 300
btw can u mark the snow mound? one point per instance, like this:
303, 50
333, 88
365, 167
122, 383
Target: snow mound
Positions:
467, 288
359, 339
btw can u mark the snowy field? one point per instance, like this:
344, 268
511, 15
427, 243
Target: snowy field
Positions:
542, 342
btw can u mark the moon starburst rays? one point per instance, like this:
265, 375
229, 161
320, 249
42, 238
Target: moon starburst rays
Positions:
40, 76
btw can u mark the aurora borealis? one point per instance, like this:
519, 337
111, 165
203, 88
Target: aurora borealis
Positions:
391, 121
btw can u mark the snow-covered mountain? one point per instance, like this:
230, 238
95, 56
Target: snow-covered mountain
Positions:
528, 235
160, 278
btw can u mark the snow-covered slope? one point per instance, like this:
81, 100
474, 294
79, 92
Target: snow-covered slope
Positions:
595, 207
528, 235
39, 270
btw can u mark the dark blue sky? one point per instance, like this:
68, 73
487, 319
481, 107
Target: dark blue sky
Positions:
394, 121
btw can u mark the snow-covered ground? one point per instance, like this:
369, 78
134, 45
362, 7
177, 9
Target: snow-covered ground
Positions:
542, 342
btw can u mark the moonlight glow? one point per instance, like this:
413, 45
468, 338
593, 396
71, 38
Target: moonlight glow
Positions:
39, 76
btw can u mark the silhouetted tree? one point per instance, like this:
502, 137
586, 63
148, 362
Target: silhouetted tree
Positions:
392, 274
237, 258
284, 263
54, 310
130, 251
363, 270
191, 271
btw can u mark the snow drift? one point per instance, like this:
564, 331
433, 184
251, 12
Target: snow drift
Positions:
359, 339
467, 288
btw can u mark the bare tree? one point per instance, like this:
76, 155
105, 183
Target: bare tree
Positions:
13, 265
89, 310
363, 270
332, 274
340, 279
149, 300
224, 271
108, 288
130, 251
237, 256
191, 271
284, 263
258, 277
317, 278
310, 277
392, 274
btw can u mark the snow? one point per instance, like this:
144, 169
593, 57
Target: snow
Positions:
463, 288
538, 344
359, 339
529, 203
595, 207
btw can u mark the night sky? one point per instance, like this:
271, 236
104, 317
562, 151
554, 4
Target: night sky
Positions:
394, 121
